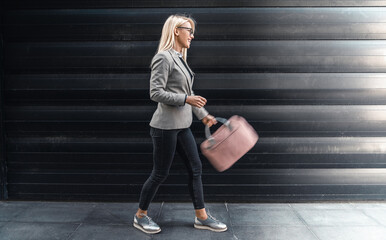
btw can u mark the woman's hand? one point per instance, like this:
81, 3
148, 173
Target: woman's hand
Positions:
196, 101
209, 120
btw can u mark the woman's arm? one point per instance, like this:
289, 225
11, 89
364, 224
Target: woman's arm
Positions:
201, 112
209, 120
159, 75
196, 101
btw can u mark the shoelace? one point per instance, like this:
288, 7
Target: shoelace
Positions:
209, 215
147, 217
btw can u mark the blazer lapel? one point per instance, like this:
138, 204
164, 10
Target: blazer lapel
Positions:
191, 72
183, 69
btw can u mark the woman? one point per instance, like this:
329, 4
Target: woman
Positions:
171, 86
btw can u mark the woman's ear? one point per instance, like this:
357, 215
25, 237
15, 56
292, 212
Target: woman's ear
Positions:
176, 32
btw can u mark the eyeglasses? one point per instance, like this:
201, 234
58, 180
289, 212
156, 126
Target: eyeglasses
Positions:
190, 29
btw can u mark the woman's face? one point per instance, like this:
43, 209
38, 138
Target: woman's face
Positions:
184, 36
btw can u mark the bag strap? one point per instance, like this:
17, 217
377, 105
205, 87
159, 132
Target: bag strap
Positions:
208, 135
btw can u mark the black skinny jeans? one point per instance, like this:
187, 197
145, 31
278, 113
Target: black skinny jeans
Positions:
165, 143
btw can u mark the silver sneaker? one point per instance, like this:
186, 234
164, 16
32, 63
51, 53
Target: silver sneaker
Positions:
146, 224
210, 224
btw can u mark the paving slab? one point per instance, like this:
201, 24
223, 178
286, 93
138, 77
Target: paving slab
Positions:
321, 206
34, 231
56, 212
261, 206
89, 220
2, 224
21, 203
254, 215
176, 214
182, 230
350, 233
336, 217
371, 205
228, 235
106, 232
219, 211
379, 215
177, 222
118, 213
273, 233
10, 210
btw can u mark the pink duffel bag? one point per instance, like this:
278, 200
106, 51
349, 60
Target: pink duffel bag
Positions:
229, 143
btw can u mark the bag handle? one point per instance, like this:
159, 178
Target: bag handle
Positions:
208, 135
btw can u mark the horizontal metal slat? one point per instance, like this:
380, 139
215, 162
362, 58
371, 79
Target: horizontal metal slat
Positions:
224, 56
25, 4
65, 161
203, 81
263, 113
224, 23
287, 177
240, 15
211, 190
304, 145
231, 88
214, 97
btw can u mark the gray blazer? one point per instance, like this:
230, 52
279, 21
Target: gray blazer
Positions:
170, 84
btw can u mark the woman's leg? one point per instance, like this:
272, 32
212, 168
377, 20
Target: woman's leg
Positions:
187, 149
164, 146
201, 213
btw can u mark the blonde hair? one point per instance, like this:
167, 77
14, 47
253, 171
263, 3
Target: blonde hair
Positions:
167, 38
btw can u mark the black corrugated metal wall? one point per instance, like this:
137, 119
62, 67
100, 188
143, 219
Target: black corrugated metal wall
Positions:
310, 76
3, 175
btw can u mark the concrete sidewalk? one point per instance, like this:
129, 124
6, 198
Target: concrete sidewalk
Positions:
113, 221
